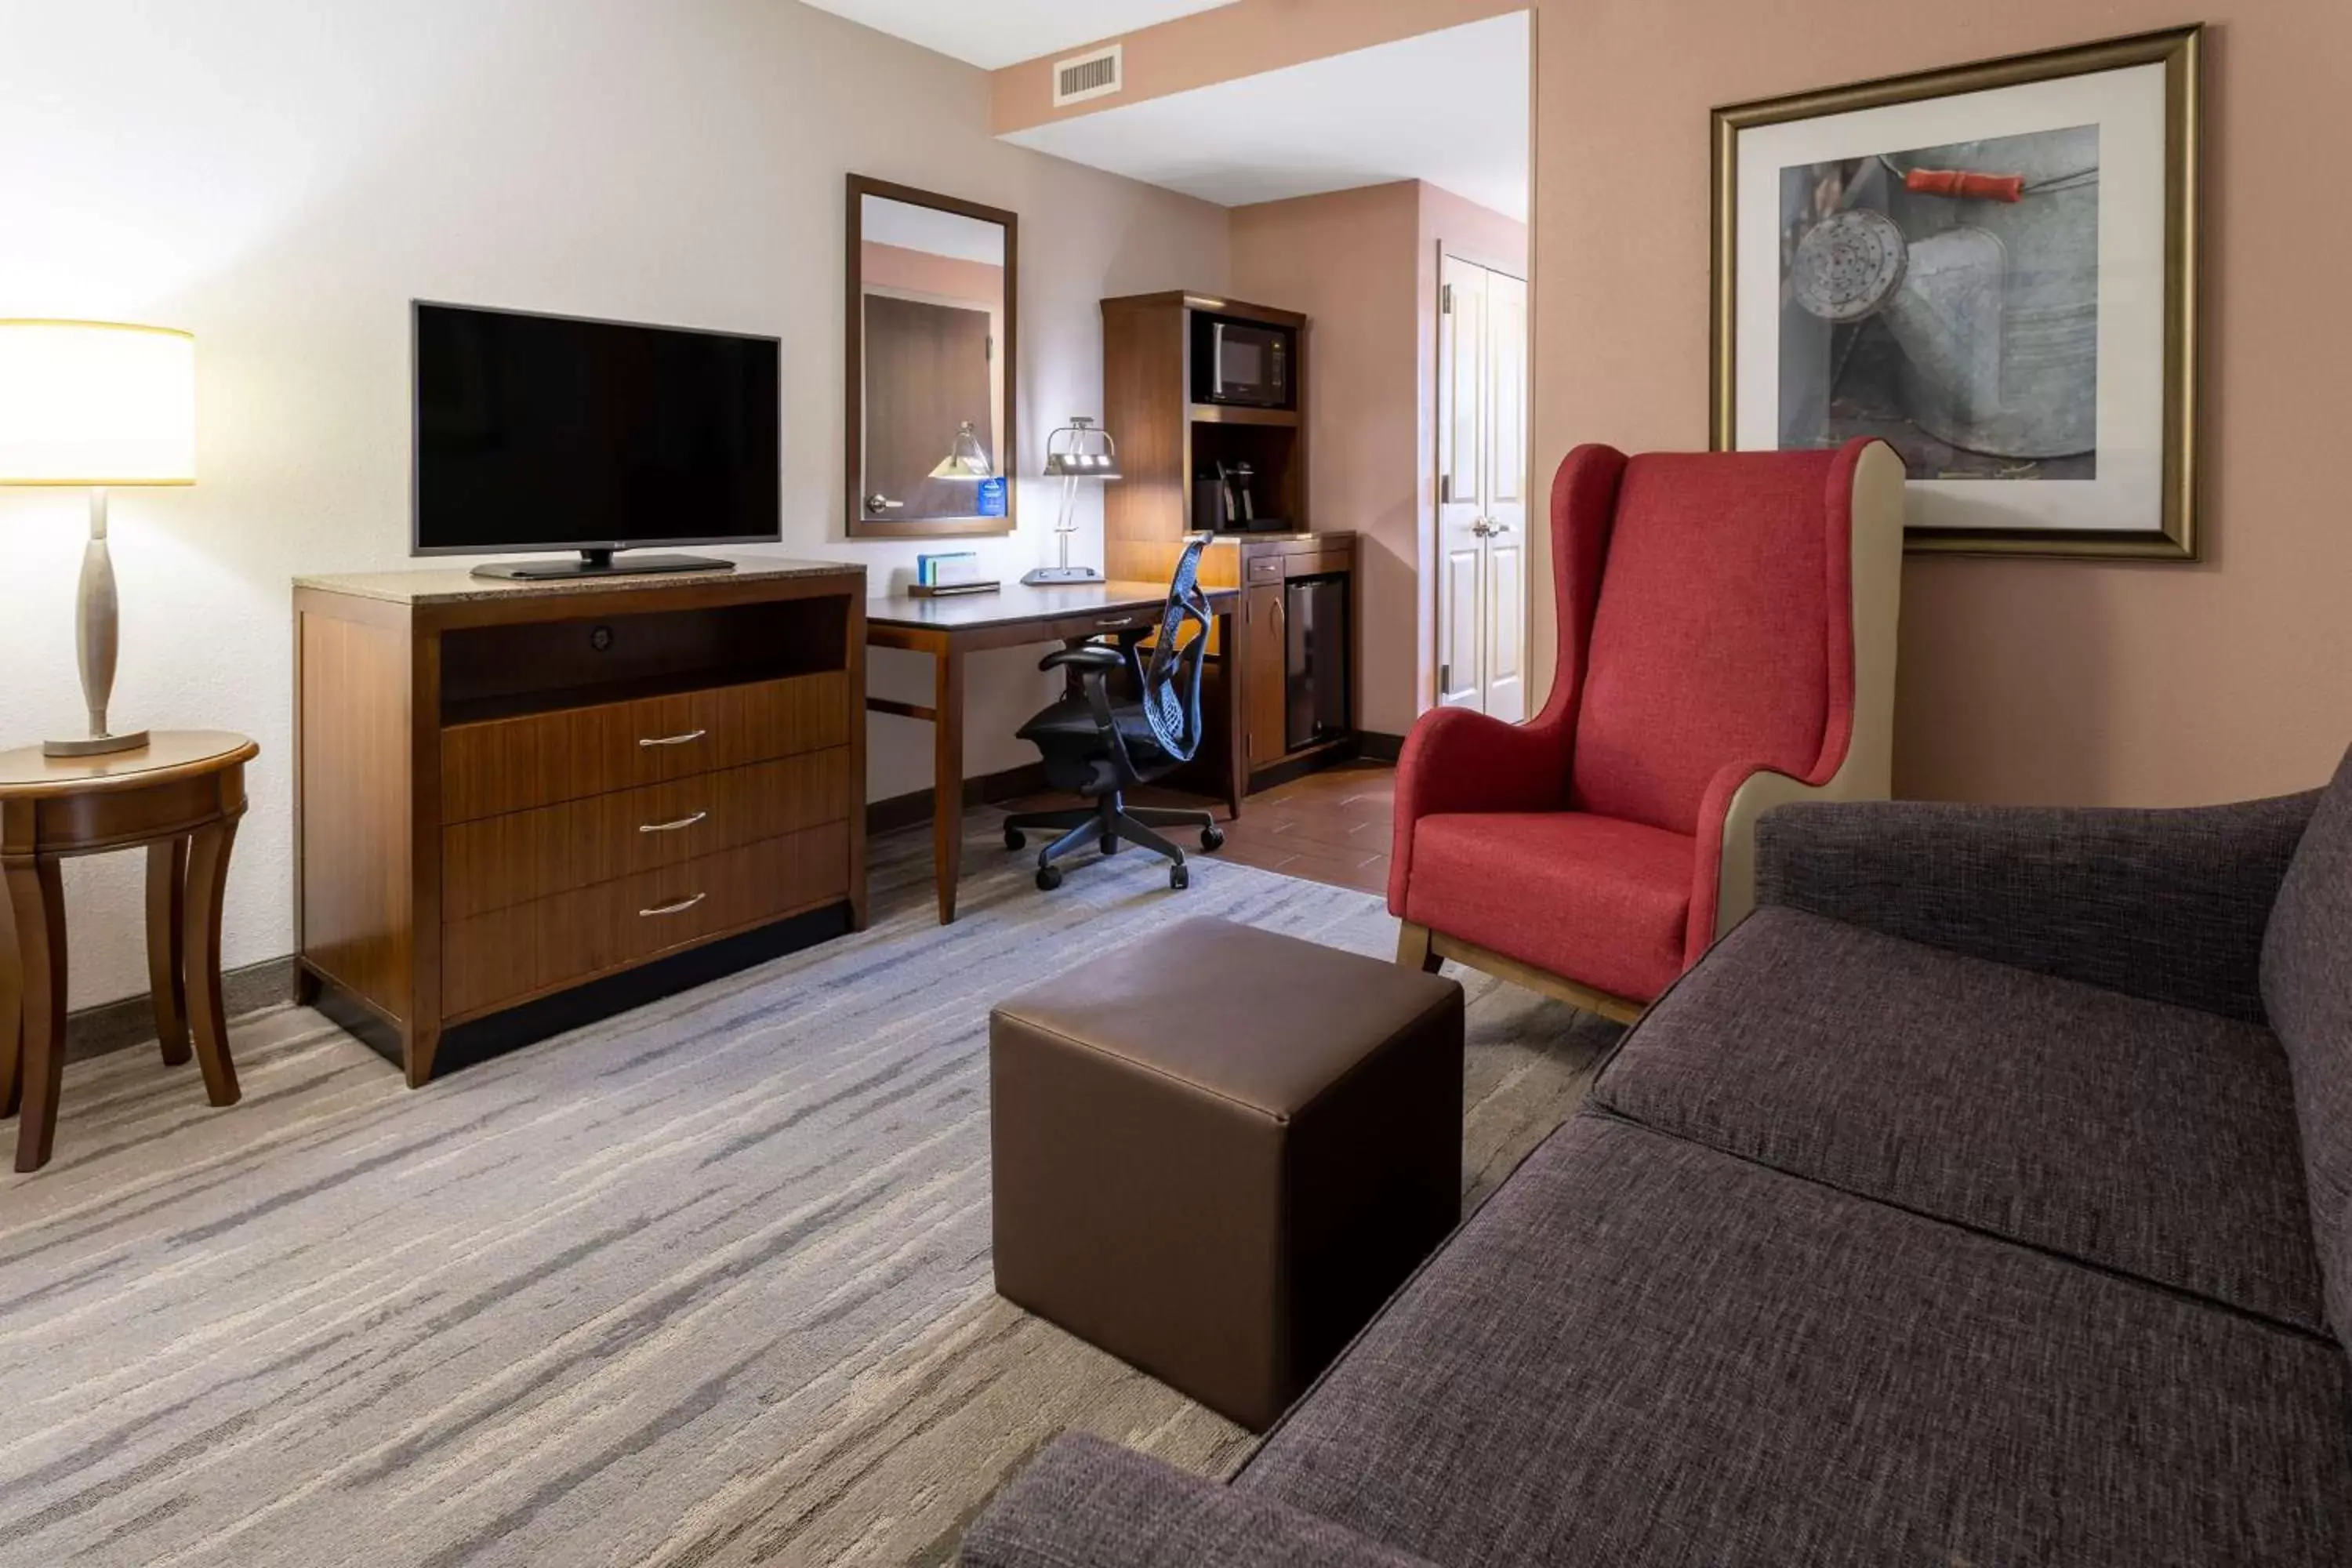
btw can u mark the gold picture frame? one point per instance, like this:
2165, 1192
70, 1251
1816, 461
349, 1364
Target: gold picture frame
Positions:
2173, 532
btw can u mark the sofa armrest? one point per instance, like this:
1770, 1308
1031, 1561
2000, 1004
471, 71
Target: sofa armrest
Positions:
1085, 1503
2166, 904
1457, 760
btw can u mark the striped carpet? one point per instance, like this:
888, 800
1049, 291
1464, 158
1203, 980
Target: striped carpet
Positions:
705, 1284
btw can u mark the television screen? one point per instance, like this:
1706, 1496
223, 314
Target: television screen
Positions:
544, 432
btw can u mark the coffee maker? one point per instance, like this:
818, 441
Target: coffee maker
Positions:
1224, 498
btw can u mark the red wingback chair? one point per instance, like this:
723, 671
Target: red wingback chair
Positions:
1726, 643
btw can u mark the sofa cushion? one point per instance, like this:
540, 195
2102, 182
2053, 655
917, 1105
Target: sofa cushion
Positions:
1602, 902
1643, 1350
2151, 1139
2307, 990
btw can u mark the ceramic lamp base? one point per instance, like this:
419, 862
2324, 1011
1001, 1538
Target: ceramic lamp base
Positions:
95, 745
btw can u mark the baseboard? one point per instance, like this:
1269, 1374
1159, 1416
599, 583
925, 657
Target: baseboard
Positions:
130, 1021
987, 789
1375, 747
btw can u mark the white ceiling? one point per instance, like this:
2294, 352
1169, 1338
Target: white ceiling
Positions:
996, 33
1450, 108
882, 221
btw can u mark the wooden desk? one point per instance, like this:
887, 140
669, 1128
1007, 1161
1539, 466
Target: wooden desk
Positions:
948, 629
180, 795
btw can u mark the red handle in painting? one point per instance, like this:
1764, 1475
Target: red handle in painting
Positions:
1965, 184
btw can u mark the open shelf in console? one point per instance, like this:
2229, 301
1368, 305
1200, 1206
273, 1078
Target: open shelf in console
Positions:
503, 671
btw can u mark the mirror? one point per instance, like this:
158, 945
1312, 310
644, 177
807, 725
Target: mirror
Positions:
932, 282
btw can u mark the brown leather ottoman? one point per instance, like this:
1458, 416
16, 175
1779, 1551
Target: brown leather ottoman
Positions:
1217, 1152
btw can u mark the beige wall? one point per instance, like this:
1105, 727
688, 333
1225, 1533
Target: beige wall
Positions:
1237, 40
1362, 264
2022, 680
283, 176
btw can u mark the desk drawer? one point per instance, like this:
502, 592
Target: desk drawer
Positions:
541, 759
510, 956
1264, 569
494, 862
1314, 564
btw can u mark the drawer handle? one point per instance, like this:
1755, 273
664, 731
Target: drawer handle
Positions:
674, 740
678, 908
1116, 621
671, 826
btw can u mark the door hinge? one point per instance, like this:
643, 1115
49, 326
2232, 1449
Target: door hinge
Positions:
1445, 678
1445, 489
1445, 298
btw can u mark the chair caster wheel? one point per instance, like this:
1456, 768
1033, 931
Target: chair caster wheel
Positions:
1213, 839
1016, 840
1180, 877
1048, 879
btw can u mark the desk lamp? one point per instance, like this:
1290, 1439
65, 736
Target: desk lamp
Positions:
96, 404
1078, 450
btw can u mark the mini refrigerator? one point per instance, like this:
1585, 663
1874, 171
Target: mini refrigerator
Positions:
1316, 662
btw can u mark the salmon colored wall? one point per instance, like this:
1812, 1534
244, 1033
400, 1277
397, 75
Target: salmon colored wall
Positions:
1237, 40
921, 272
1362, 264
1347, 260
2022, 680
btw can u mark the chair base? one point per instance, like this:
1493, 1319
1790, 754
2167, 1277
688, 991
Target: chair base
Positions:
1111, 822
1418, 947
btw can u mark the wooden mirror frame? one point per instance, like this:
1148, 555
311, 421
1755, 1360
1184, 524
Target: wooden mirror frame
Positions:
1008, 444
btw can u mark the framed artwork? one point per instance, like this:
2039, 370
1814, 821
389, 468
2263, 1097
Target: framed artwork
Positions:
1992, 267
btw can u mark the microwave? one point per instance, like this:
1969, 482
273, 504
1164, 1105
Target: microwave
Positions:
1246, 362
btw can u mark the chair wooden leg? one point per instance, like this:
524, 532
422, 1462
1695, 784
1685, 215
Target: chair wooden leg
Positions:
37, 896
207, 882
167, 880
1416, 948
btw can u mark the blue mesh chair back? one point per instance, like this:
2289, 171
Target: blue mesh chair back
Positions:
1172, 682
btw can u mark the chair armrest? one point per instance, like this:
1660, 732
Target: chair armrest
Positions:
2166, 904
1456, 760
1085, 656
1085, 1503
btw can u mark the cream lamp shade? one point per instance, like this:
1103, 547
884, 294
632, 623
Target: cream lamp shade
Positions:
97, 405
92, 402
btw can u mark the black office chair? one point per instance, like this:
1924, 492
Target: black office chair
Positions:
1099, 749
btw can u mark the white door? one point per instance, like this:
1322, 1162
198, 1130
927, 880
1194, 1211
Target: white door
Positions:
1505, 600
1460, 543
1482, 511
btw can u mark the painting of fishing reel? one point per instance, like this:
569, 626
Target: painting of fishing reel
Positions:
1947, 299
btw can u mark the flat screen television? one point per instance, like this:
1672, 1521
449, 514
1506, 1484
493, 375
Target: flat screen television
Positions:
537, 432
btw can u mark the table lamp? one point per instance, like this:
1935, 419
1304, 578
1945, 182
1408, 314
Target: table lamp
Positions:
1078, 450
966, 459
96, 404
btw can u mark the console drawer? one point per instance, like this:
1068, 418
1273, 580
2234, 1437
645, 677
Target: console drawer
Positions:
510, 956
541, 759
494, 862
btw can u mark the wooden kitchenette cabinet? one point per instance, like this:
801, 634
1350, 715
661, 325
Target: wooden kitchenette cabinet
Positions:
1299, 624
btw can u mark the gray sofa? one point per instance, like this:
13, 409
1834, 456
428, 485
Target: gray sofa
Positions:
1984, 1198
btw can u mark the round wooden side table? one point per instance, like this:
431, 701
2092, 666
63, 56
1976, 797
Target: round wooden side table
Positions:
180, 795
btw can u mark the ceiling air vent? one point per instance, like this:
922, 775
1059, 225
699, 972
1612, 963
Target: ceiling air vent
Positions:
1082, 77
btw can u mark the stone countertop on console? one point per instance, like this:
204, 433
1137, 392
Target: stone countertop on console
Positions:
456, 584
